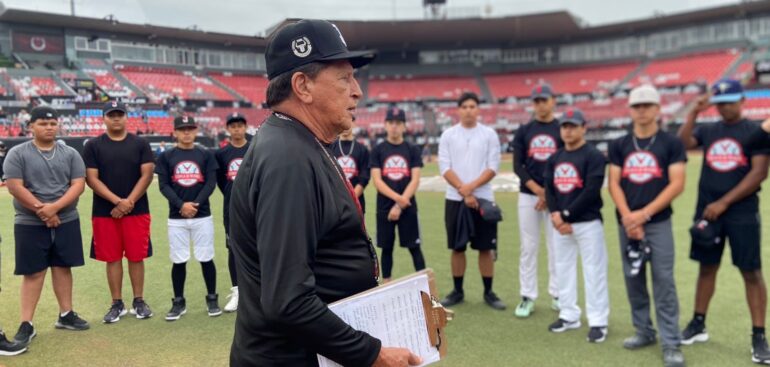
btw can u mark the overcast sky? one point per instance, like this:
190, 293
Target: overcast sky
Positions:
252, 17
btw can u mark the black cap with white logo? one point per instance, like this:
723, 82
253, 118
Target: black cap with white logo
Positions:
235, 117
182, 122
114, 106
308, 41
42, 113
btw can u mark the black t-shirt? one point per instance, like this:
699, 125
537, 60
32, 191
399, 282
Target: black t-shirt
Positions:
120, 168
533, 144
187, 175
354, 160
299, 243
229, 160
574, 180
396, 163
726, 161
645, 171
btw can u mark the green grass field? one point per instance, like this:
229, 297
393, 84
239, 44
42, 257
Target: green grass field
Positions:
479, 336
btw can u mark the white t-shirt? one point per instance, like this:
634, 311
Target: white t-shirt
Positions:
469, 152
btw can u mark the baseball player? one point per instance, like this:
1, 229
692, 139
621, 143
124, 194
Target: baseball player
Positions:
573, 180
727, 198
353, 157
187, 177
533, 144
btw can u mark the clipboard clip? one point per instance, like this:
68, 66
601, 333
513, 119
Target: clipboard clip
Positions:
436, 320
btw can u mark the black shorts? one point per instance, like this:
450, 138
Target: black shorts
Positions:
744, 234
408, 229
485, 237
39, 247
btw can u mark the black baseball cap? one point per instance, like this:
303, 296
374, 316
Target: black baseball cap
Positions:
182, 122
395, 114
235, 117
572, 116
114, 106
307, 41
42, 112
542, 91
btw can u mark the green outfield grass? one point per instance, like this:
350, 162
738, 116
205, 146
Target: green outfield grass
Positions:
479, 336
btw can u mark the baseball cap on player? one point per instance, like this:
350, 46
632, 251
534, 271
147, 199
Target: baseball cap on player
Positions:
726, 91
572, 116
235, 117
42, 113
395, 114
644, 94
307, 41
542, 91
182, 122
113, 106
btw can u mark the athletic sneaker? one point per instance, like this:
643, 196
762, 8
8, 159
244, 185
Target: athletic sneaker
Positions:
673, 357
759, 351
638, 341
212, 303
25, 334
117, 310
525, 308
71, 321
141, 309
453, 298
597, 334
494, 301
694, 332
10, 348
178, 308
232, 304
561, 325
555, 304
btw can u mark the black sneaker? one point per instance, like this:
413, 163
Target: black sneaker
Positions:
561, 325
141, 309
212, 303
673, 357
494, 301
178, 308
597, 334
117, 310
638, 341
453, 298
25, 334
10, 348
694, 332
759, 351
71, 321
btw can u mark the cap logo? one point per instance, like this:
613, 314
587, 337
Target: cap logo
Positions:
340, 33
184, 119
114, 104
48, 114
570, 114
723, 87
301, 47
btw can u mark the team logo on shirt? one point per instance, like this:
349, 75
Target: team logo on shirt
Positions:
541, 147
566, 178
232, 168
349, 166
187, 174
725, 155
641, 167
395, 168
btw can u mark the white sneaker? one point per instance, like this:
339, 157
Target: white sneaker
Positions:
232, 304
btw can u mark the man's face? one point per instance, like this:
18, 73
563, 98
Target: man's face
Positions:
572, 133
395, 129
115, 120
468, 111
45, 129
543, 107
237, 130
335, 93
186, 135
730, 111
645, 113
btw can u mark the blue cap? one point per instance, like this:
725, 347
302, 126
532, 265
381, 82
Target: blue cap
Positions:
726, 91
543, 91
572, 116
395, 114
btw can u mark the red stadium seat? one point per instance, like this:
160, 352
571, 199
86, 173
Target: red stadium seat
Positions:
422, 88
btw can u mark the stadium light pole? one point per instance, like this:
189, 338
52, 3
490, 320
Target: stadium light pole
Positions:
72, 7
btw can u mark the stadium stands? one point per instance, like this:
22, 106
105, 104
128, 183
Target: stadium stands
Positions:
688, 69
36, 86
160, 83
420, 88
251, 87
111, 85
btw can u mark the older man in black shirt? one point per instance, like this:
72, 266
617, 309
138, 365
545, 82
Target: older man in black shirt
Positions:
297, 230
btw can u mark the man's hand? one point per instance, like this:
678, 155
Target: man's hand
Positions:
541, 204
396, 357
125, 206
636, 218
45, 211
115, 213
189, 210
466, 190
53, 221
471, 202
564, 229
556, 220
403, 202
636, 233
714, 210
394, 214
702, 104
766, 125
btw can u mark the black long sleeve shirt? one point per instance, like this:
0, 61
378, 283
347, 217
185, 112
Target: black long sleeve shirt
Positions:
299, 243
187, 175
573, 183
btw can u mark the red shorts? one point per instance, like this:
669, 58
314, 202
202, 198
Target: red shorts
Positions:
114, 238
